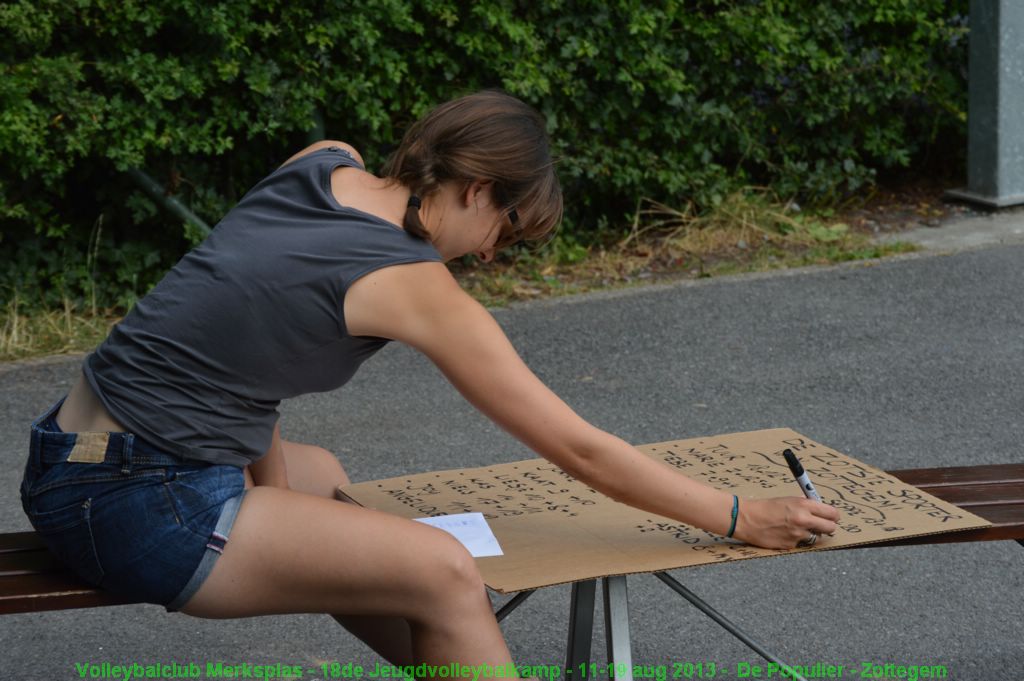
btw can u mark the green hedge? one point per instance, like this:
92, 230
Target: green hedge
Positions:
672, 101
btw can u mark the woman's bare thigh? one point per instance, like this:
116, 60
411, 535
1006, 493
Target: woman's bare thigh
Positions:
292, 552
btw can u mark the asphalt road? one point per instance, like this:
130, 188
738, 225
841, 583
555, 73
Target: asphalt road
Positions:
910, 362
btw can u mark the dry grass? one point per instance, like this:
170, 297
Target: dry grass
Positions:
49, 332
750, 230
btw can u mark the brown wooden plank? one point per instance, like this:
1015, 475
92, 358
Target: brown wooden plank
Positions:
20, 541
960, 475
29, 563
59, 591
972, 496
1006, 516
1007, 523
994, 492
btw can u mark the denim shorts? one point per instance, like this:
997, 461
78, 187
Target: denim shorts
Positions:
125, 516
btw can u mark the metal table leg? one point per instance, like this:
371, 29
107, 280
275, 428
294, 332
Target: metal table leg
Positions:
616, 628
517, 600
581, 629
617, 636
723, 622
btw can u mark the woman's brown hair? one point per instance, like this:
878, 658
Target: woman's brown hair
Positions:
488, 135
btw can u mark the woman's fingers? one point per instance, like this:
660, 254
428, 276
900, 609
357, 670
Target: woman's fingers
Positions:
826, 518
825, 511
822, 526
820, 519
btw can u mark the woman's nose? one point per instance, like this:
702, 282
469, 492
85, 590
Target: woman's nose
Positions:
486, 256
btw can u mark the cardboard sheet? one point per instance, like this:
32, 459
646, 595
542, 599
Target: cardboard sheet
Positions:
554, 529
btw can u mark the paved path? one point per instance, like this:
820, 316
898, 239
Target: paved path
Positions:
972, 230
914, 361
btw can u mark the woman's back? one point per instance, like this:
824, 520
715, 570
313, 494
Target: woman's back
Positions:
251, 316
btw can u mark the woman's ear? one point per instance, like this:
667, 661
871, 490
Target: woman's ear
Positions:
478, 190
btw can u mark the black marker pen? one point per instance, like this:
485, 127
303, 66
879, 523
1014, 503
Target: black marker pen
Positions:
801, 476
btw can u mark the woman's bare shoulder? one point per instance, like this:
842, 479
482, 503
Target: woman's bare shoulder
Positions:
324, 144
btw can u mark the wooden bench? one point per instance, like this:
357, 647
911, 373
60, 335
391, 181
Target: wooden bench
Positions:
33, 580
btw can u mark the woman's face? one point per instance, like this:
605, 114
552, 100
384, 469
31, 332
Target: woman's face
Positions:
468, 221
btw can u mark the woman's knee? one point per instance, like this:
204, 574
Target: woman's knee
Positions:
460, 568
327, 463
313, 470
451, 581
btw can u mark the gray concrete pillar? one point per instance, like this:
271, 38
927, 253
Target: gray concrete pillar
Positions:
995, 108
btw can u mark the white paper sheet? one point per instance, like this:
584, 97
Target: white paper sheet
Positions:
470, 529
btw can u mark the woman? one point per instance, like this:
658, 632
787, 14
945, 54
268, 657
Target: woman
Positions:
163, 475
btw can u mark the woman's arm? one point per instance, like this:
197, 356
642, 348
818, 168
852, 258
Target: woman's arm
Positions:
423, 306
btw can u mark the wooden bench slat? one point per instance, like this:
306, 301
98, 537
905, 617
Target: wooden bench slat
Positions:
974, 496
926, 478
1007, 523
1003, 515
20, 541
29, 563
57, 591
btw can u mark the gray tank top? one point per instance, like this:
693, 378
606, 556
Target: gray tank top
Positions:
251, 316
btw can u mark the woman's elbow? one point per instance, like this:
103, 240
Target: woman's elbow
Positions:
585, 456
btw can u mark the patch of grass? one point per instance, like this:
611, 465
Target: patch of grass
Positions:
749, 231
35, 333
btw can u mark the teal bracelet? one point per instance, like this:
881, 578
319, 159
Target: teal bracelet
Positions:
735, 515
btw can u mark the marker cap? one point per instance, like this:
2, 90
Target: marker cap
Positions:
794, 463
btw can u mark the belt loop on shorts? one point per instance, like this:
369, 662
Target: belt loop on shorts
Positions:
36, 458
36, 451
126, 453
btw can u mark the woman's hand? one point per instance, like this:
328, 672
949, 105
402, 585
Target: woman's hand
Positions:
783, 522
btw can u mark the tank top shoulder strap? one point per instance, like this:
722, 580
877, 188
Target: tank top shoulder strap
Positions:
308, 176
328, 156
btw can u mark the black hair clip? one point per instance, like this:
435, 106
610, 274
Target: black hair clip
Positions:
414, 202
